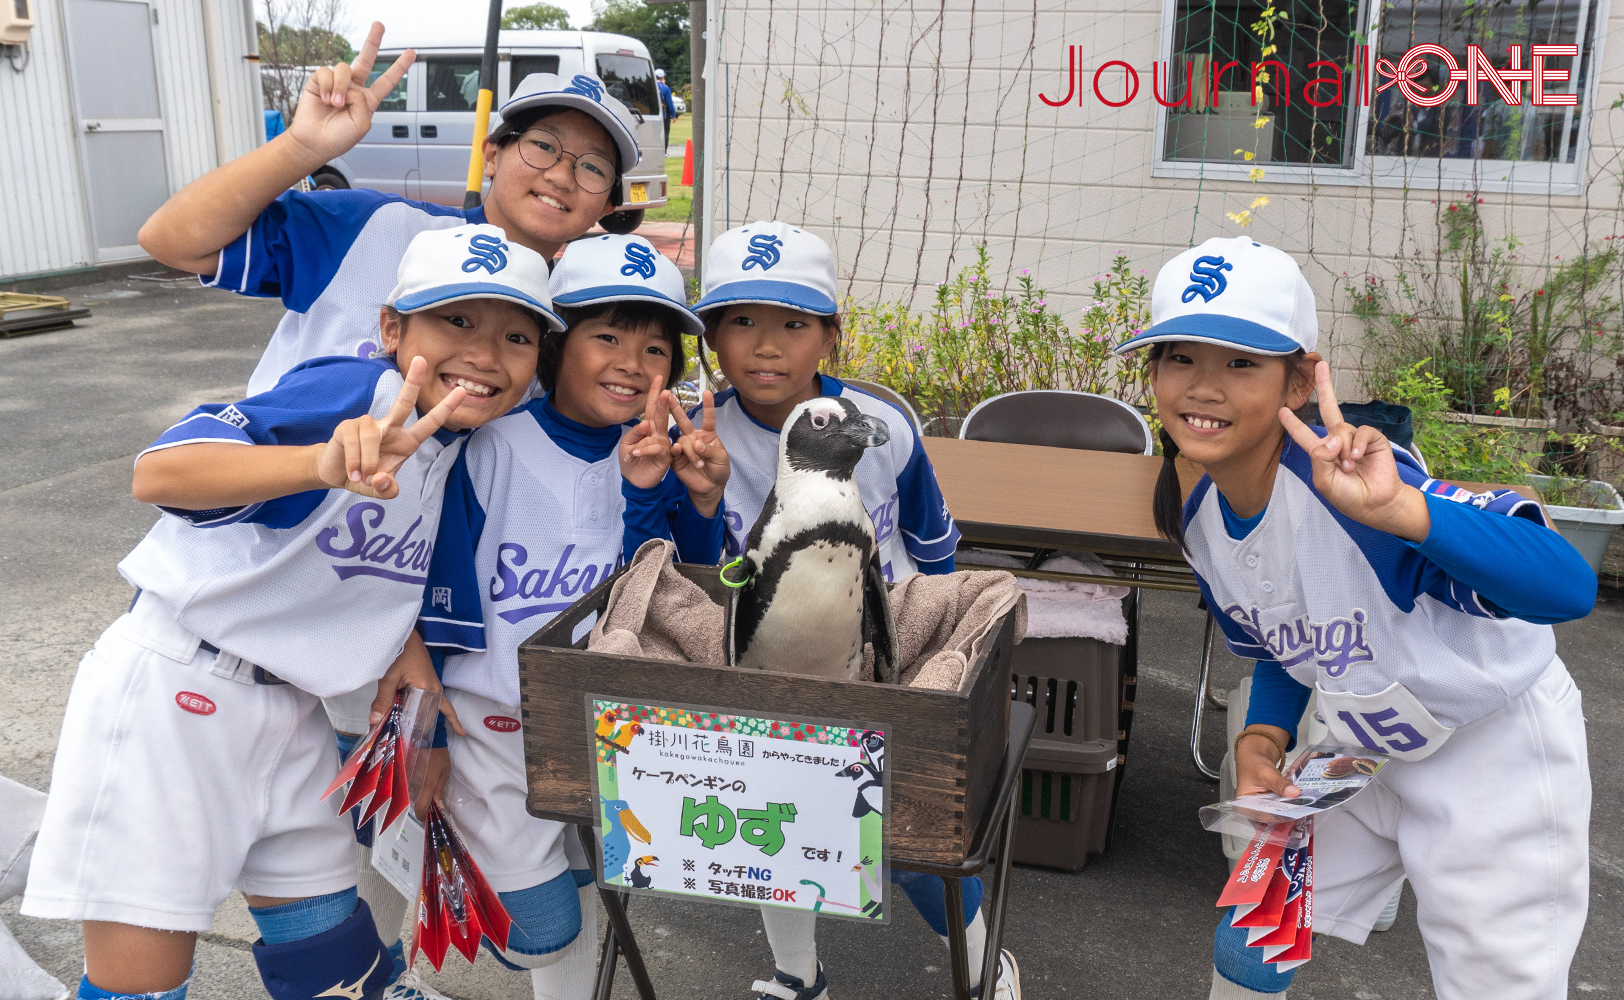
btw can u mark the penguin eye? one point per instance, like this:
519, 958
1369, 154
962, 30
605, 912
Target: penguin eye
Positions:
820, 420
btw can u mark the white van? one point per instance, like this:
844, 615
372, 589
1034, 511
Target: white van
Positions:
420, 136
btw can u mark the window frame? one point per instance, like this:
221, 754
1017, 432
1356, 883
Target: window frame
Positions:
1372, 170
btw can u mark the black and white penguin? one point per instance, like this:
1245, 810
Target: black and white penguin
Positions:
813, 592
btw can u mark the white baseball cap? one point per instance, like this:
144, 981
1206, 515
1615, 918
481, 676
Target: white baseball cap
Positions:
583, 92
620, 269
773, 263
660, 73
1234, 292
471, 262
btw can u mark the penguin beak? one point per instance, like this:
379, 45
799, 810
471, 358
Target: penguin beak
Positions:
866, 431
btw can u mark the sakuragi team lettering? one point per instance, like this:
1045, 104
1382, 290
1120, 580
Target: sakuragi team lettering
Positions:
389, 557
1328, 91
1334, 645
564, 581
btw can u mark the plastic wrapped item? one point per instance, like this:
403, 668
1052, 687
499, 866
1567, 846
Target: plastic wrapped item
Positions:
455, 905
1325, 774
388, 767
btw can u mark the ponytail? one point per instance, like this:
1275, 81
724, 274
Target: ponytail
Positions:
1167, 505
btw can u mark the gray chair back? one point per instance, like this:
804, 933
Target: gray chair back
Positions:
1059, 418
890, 396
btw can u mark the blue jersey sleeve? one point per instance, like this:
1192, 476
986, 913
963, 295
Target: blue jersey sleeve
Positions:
645, 516
1501, 560
297, 243
1277, 699
928, 531
453, 614
302, 408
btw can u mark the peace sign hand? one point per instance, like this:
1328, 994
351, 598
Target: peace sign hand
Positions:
699, 458
335, 110
1355, 470
364, 454
645, 450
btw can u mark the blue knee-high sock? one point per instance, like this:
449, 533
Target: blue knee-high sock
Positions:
1244, 966
90, 991
928, 894
304, 918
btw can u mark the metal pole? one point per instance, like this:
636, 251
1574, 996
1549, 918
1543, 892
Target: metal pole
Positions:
482, 110
698, 15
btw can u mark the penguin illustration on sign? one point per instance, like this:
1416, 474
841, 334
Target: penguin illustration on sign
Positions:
812, 591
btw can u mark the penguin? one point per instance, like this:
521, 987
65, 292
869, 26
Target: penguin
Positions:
813, 592
870, 788
640, 879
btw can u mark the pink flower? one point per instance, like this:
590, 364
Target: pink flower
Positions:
1043, 302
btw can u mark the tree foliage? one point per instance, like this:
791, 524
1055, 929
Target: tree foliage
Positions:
663, 28
294, 37
536, 16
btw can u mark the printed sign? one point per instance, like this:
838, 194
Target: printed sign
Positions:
397, 853
739, 809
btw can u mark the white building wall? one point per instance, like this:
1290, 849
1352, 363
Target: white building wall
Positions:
43, 225
42, 212
908, 133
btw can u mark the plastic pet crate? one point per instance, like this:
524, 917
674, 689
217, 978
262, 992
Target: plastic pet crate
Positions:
1083, 692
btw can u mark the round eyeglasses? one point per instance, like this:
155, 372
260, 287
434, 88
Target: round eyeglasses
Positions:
542, 149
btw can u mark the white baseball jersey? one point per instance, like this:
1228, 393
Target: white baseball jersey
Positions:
1404, 642
915, 532
320, 588
536, 515
331, 257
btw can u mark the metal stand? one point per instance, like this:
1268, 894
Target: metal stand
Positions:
995, 840
1203, 692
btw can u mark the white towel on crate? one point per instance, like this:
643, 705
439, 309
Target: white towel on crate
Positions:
21, 809
1063, 609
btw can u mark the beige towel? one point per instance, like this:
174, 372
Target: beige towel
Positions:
655, 611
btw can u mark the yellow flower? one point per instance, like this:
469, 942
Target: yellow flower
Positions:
1259, 201
1260, 122
1256, 174
1242, 219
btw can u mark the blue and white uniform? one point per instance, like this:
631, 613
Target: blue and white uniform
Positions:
536, 515
1441, 654
195, 751
331, 257
915, 532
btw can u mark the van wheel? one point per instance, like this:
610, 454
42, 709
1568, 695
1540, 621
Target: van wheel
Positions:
621, 222
328, 180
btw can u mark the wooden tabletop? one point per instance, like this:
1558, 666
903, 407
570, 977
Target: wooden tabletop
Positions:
1062, 497
1053, 497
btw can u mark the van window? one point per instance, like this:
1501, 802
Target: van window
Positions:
630, 78
523, 66
396, 101
452, 84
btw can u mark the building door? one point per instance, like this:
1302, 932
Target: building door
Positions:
119, 117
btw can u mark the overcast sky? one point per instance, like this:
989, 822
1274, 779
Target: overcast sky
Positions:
413, 19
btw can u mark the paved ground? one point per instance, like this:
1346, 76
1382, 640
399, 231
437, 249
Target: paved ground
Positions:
1135, 923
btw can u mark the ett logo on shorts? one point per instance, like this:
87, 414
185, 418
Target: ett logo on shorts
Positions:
501, 724
194, 703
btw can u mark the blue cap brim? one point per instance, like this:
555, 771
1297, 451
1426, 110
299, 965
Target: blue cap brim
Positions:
1225, 331
630, 293
773, 293
442, 294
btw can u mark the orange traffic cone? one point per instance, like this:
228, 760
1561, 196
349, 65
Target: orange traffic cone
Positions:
688, 165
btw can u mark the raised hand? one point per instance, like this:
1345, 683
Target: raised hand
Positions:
335, 110
645, 450
1355, 470
364, 453
698, 457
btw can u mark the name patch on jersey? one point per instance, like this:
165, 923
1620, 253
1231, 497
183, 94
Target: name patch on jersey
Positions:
501, 724
194, 703
1334, 645
565, 580
378, 553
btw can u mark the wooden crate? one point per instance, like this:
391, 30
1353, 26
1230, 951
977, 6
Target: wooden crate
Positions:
943, 753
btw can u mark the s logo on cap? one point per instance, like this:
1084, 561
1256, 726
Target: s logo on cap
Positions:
639, 261
586, 87
1208, 278
485, 251
764, 252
